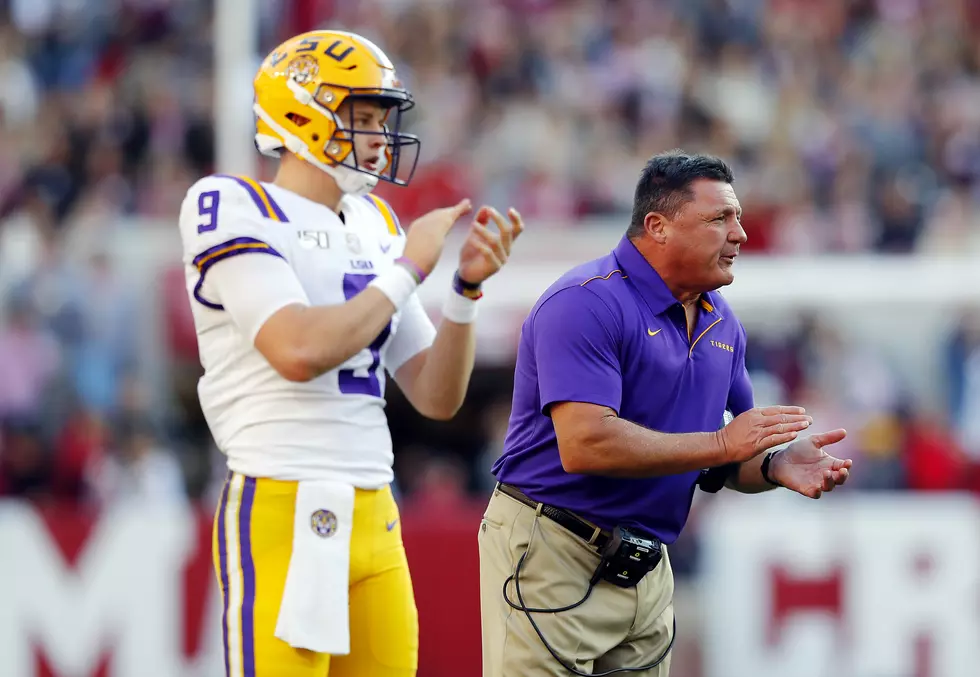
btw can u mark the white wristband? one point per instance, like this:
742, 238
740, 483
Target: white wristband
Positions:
459, 309
397, 284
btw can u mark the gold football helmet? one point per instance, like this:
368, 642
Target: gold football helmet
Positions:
298, 91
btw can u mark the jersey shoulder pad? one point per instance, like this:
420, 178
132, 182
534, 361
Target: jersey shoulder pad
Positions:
224, 193
221, 211
380, 206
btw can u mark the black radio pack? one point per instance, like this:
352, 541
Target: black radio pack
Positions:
627, 558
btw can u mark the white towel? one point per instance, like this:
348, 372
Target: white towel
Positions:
314, 613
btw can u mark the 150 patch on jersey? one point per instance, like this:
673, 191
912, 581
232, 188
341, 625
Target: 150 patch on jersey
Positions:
314, 239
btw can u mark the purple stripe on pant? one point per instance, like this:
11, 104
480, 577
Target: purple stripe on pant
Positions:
223, 568
248, 575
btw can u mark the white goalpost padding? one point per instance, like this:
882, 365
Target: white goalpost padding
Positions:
235, 60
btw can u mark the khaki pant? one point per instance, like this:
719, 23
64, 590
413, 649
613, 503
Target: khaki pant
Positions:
615, 628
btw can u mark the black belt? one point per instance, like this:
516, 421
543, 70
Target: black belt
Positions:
576, 525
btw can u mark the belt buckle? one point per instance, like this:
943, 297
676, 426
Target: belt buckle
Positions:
597, 532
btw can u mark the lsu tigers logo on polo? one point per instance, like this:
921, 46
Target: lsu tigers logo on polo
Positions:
324, 523
723, 346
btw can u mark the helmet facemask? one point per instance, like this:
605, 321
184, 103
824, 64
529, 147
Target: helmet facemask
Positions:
394, 162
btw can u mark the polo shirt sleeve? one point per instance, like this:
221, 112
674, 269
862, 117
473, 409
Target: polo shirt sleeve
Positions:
740, 397
576, 340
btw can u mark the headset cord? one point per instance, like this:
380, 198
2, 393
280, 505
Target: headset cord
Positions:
528, 611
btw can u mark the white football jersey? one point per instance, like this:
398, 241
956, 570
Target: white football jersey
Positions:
333, 427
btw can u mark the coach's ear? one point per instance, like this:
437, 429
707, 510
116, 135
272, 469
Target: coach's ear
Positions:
654, 225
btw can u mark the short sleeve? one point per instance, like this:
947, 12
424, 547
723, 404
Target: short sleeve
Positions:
415, 333
740, 395
576, 339
253, 288
222, 218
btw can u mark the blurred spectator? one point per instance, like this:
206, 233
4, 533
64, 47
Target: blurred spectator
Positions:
54, 290
441, 487
108, 344
494, 422
963, 369
953, 225
25, 468
82, 443
29, 359
19, 97
137, 468
933, 459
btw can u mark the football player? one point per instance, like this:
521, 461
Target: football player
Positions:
303, 295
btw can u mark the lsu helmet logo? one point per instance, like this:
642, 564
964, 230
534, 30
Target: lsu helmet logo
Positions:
324, 523
303, 69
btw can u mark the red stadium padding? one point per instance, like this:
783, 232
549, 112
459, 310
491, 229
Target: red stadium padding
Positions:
441, 541
443, 556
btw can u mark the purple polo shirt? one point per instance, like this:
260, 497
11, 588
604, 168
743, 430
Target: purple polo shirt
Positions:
609, 332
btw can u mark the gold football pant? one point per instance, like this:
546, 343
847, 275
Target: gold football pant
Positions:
252, 545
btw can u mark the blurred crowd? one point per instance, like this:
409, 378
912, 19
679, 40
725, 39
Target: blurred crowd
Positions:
853, 127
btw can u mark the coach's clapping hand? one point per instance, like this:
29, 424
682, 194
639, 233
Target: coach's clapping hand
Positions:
756, 430
806, 468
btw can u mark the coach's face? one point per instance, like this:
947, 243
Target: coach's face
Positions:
702, 240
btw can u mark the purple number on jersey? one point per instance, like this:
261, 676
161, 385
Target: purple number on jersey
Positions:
350, 384
207, 205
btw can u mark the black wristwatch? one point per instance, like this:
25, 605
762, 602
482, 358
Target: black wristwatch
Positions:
765, 468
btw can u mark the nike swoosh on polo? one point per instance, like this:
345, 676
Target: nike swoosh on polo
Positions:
391, 525
385, 248
652, 332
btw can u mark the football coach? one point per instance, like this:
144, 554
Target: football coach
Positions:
625, 370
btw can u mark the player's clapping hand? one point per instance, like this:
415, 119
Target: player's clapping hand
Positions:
757, 430
485, 251
427, 234
806, 468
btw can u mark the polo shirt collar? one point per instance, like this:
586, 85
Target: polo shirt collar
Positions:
647, 280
